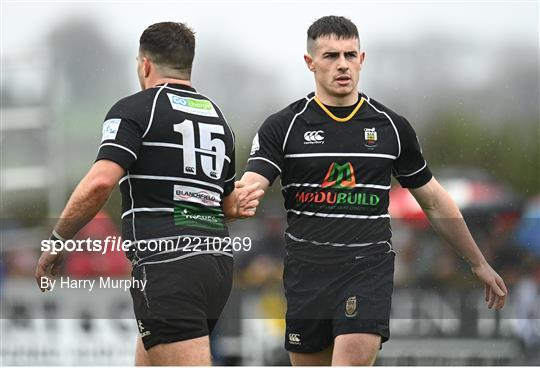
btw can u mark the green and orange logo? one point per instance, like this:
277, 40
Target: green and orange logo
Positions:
338, 182
340, 176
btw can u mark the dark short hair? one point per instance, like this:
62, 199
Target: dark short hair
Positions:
338, 26
169, 44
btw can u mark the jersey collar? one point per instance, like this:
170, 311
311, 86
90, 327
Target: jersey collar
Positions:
321, 116
177, 86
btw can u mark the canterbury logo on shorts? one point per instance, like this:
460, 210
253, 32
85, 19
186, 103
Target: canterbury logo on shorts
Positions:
294, 338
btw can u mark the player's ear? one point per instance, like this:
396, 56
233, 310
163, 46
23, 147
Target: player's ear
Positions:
147, 66
362, 58
309, 62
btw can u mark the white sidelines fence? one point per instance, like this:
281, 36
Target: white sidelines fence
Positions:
103, 332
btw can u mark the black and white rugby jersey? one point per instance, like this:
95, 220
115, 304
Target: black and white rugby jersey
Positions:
178, 153
336, 174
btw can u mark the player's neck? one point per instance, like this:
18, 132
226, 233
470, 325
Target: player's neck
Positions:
329, 100
156, 81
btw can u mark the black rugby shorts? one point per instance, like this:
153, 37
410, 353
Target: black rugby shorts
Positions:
183, 299
324, 301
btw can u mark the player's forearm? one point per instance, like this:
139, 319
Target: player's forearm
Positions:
85, 202
250, 178
446, 219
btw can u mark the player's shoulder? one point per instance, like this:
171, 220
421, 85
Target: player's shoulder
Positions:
404, 128
285, 116
379, 107
134, 106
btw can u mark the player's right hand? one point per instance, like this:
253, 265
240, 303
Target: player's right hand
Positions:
249, 197
48, 266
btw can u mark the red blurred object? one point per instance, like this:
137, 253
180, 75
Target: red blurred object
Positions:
475, 192
404, 207
94, 264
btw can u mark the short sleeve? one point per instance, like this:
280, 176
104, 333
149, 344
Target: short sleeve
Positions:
410, 168
121, 138
266, 157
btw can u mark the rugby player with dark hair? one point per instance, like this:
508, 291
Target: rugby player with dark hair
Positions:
171, 151
336, 151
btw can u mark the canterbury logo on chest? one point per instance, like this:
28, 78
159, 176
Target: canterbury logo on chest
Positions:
314, 137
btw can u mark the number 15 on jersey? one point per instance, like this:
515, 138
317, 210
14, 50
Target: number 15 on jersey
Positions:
209, 148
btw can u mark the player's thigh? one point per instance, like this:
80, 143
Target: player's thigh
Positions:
356, 349
308, 329
319, 358
141, 355
181, 353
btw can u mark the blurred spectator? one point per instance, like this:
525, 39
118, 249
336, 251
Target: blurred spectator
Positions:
19, 256
263, 271
264, 262
527, 302
2, 274
94, 264
20, 261
528, 232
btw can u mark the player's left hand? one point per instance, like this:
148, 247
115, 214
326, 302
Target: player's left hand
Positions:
495, 289
48, 266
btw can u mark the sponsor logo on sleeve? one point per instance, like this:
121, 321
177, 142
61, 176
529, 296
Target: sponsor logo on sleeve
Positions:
192, 105
110, 129
255, 145
196, 195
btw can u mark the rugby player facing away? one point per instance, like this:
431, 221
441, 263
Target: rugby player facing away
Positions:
172, 153
336, 151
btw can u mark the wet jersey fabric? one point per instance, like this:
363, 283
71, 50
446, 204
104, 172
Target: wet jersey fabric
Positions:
336, 176
178, 153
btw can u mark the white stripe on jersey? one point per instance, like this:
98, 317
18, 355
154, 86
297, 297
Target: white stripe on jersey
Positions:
293, 119
414, 173
375, 186
337, 215
339, 154
153, 109
391, 122
353, 245
147, 209
132, 205
154, 209
179, 146
171, 178
119, 146
267, 160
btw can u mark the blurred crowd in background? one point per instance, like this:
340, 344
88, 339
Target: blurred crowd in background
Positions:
477, 120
